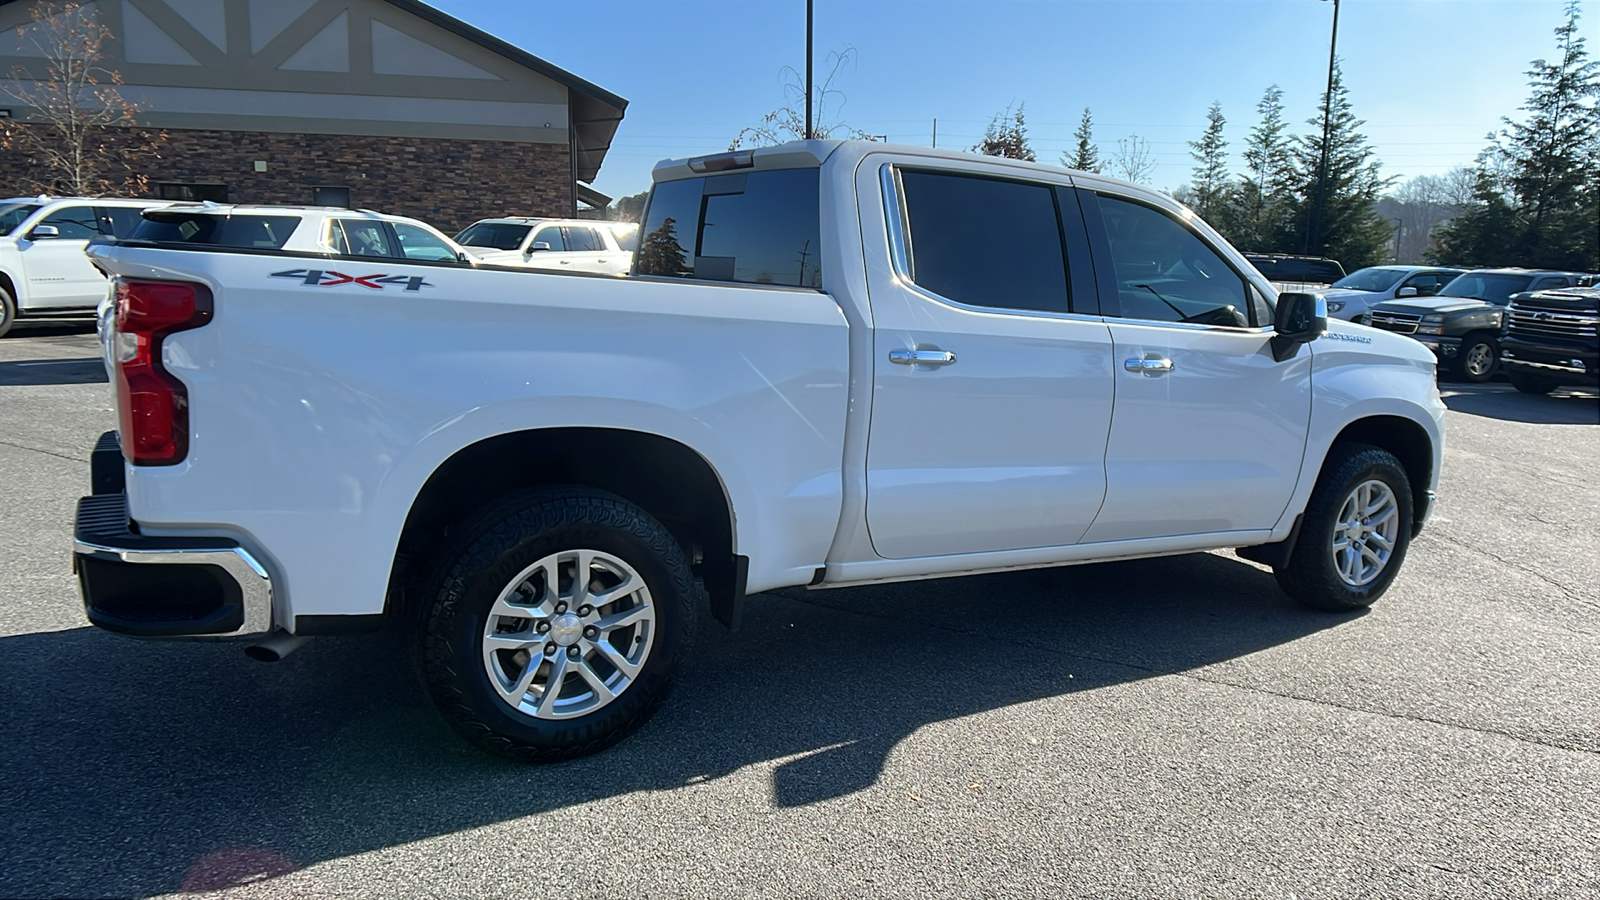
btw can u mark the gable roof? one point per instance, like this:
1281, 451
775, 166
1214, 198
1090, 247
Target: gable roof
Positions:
594, 111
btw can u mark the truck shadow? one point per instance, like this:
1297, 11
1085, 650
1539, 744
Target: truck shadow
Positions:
1568, 406
141, 768
86, 370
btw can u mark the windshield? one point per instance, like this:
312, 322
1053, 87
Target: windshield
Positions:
494, 235
12, 214
1496, 289
1371, 279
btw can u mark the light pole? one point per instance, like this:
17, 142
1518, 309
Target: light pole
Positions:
1314, 226
808, 66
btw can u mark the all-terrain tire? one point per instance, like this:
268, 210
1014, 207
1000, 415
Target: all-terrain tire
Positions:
1312, 574
488, 556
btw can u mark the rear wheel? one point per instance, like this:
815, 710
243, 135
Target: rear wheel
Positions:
557, 620
1531, 384
1355, 532
8, 311
1479, 358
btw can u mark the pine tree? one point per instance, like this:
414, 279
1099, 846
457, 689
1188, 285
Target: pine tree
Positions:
1262, 197
1209, 186
1537, 189
1006, 136
1086, 156
660, 253
1348, 227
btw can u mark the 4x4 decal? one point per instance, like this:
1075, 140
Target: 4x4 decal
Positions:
329, 278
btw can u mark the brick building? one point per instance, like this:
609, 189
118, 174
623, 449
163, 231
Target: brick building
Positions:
381, 104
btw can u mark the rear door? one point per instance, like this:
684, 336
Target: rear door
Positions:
1209, 429
586, 247
992, 384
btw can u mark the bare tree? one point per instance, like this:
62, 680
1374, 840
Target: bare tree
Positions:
1132, 160
80, 133
788, 122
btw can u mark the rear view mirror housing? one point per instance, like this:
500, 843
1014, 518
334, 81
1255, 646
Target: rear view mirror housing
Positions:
44, 232
1301, 318
1405, 292
538, 246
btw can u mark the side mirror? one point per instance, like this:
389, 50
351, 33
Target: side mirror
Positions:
1301, 319
538, 246
464, 258
1406, 292
44, 232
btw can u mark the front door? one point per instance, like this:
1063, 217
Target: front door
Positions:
991, 396
1209, 429
59, 273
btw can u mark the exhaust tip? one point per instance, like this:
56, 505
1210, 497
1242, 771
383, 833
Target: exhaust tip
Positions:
274, 646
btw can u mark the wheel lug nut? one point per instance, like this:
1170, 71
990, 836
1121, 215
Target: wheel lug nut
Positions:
549, 649
543, 627
591, 632
561, 608
573, 653
585, 609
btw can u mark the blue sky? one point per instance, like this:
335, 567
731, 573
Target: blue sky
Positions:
1431, 77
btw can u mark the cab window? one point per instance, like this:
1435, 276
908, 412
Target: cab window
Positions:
551, 236
1165, 273
583, 239
419, 243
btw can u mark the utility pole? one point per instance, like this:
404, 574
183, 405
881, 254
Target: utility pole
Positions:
1314, 225
935, 132
808, 132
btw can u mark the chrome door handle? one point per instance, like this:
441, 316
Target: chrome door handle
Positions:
1150, 365
922, 357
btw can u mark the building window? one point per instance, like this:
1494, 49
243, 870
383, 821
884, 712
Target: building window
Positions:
331, 196
192, 192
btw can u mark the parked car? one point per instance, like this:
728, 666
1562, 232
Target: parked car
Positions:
1552, 339
1296, 273
1355, 293
1462, 324
574, 245
43, 270
534, 475
326, 231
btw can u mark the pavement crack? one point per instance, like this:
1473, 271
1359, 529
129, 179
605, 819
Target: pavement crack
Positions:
76, 459
799, 595
1570, 593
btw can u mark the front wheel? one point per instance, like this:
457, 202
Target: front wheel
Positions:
8, 312
1479, 358
1355, 532
557, 620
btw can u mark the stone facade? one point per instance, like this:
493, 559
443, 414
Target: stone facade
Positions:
448, 183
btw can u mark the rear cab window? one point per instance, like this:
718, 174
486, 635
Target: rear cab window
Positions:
244, 231
756, 227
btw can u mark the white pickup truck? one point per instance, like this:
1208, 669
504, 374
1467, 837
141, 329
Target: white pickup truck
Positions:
834, 364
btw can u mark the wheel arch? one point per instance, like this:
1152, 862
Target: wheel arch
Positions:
1408, 441
10, 287
668, 479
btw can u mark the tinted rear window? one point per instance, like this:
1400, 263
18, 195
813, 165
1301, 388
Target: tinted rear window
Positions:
250, 232
751, 227
493, 235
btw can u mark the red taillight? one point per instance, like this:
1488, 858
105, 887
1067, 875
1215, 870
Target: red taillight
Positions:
154, 406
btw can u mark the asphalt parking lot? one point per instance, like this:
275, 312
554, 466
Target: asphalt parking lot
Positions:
1162, 728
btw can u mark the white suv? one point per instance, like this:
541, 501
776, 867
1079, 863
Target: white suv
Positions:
43, 269
562, 245
320, 234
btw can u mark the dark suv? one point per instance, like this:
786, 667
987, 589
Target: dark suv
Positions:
1552, 338
1462, 323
